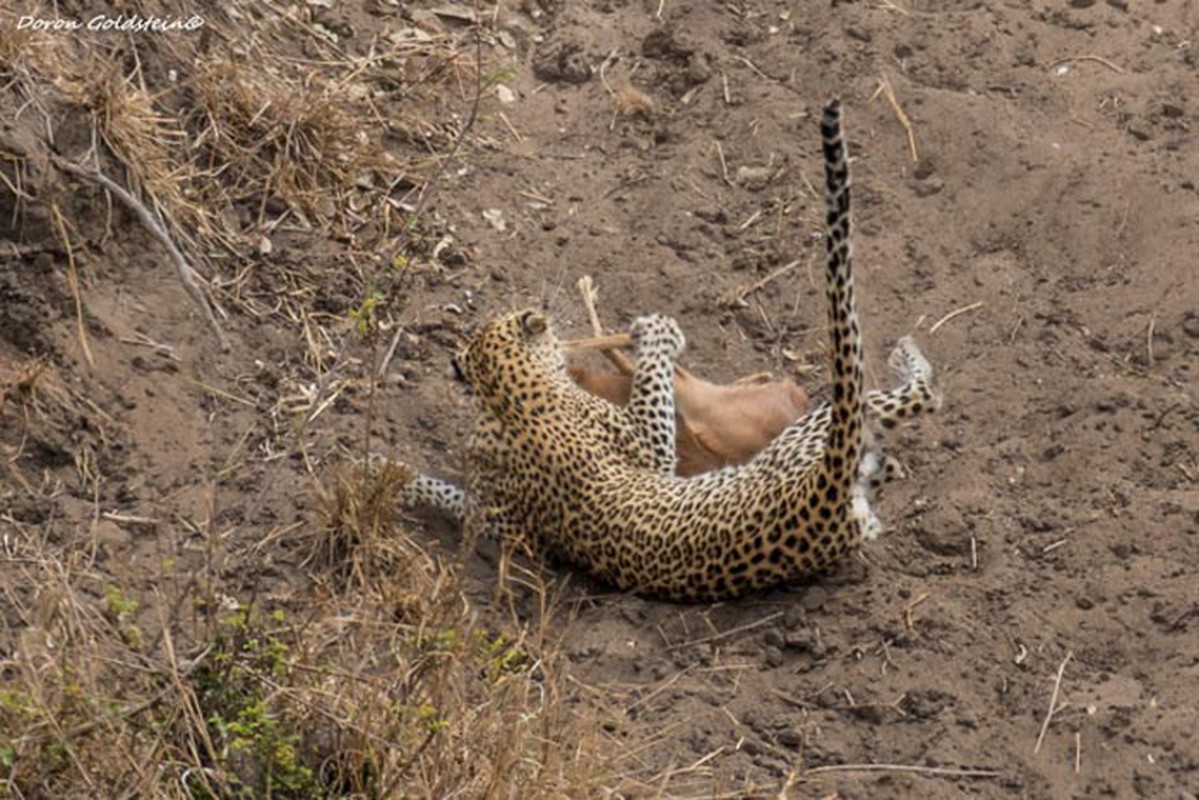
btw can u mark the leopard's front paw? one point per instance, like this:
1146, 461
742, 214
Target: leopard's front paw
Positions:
656, 334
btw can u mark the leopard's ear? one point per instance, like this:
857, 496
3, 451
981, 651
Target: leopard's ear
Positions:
533, 323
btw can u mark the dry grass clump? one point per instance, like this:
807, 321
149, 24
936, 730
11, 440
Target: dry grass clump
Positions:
285, 139
182, 688
255, 124
46, 426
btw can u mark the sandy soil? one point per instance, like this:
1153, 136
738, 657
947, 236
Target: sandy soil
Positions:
1052, 512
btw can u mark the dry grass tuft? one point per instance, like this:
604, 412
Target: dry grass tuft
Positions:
228, 141
361, 542
393, 687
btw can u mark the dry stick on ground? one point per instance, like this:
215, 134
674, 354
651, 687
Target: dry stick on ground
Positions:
949, 772
187, 275
952, 314
724, 165
730, 632
1149, 341
1057, 686
908, 617
1096, 59
884, 88
73, 280
739, 295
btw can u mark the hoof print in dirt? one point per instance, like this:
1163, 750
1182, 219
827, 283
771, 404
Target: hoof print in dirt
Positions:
562, 62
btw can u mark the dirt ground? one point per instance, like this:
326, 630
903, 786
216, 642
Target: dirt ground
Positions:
1039, 247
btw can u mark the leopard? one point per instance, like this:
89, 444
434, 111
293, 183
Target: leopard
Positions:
576, 478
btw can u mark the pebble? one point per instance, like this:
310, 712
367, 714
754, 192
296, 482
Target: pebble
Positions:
929, 188
814, 599
794, 618
774, 656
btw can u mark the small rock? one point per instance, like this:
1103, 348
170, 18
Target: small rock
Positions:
1190, 323
564, 63
794, 618
1171, 110
112, 536
1085, 603
924, 169
829, 698
814, 599
790, 739
662, 44
929, 188
774, 656
1082, 3
750, 747
871, 714
1052, 452
753, 178
801, 641
504, 94
1120, 4
699, 68
1139, 133
861, 34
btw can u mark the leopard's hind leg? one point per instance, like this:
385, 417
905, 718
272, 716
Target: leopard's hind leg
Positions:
916, 396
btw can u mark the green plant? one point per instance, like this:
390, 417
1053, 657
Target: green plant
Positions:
255, 737
365, 314
120, 609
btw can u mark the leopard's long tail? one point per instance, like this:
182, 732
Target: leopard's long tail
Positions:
844, 446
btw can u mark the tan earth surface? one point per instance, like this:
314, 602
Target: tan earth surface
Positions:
1041, 247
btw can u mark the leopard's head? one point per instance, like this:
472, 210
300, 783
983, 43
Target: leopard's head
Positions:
507, 354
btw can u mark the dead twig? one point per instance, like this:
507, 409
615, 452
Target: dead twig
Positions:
739, 295
187, 275
73, 281
908, 618
1096, 59
1057, 686
730, 632
605, 342
724, 165
953, 314
950, 772
1149, 341
884, 88
601, 342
